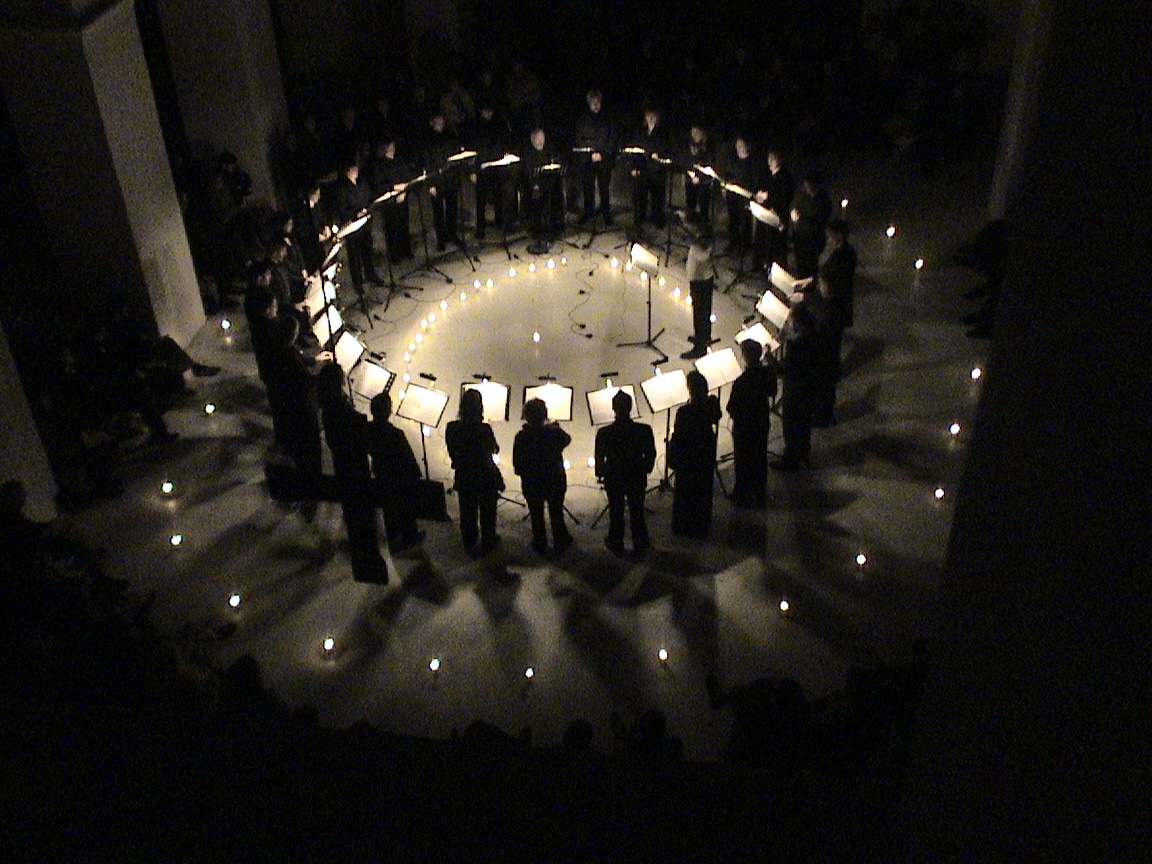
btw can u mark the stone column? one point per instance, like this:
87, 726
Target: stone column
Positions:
81, 104
222, 55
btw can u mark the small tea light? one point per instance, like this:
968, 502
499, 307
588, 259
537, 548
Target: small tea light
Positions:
643, 276
495, 458
529, 673
531, 268
564, 259
890, 231
176, 539
431, 317
489, 284
662, 655
919, 265
861, 559
614, 263
234, 601
954, 429
977, 372
712, 318
411, 346
567, 464
434, 665
938, 493
427, 430
661, 281
225, 324
688, 301
843, 203
657, 370
419, 339
166, 487
591, 461
676, 292
210, 408
407, 378
551, 264
512, 272
443, 305
424, 324
328, 644
476, 283
463, 296
785, 605
408, 357
536, 336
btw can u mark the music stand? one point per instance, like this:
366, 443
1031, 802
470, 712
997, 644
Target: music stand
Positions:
663, 392
502, 199
342, 234
348, 352
720, 368
747, 195
427, 265
425, 406
759, 333
556, 397
648, 264
774, 310
493, 395
327, 324
393, 194
369, 379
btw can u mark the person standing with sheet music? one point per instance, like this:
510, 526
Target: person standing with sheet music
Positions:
543, 193
775, 192
538, 457
443, 180
389, 174
750, 407
692, 456
650, 171
625, 456
490, 135
396, 472
349, 199
739, 169
595, 142
697, 186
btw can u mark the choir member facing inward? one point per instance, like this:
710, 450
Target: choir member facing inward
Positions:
692, 456
538, 457
597, 134
625, 455
750, 407
478, 483
346, 432
396, 473
443, 180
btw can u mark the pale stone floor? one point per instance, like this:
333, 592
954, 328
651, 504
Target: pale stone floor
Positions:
588, 624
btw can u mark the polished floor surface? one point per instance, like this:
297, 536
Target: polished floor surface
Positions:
855, 546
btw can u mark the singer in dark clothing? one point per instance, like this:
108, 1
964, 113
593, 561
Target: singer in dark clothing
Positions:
490, 135
697, 186
739, 169
543, 193
811, 210
538, 458
775, 191
838, 275
396, 472
346, 431
595, 142
805, 360
349, 198
471, 446
692, 455
625, 455
750, 407
443, 180
650, 171
389, 174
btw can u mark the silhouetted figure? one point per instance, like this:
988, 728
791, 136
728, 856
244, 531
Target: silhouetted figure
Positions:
837, 275
804, 369
810, 213
775, 191
625, 455
397, 473
471, 446
346, 431
750, 407
701, 285
538, 457
692, 455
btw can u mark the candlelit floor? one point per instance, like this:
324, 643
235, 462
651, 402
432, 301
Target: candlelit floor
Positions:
590, 626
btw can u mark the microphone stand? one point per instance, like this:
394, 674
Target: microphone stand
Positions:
428, 265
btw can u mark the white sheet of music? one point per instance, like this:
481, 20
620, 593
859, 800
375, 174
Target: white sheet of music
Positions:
774, 310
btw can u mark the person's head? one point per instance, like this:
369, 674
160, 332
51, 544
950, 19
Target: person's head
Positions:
651, 116
381, 406
837, 231
472, 406
812, 182
289, 329
751, 351
537, 138
535, 412
487, 112
330, 385
698, 133
351, 170
277, 250
743, 151
282, 223
697, 385
775, 163
436, 121
621, 404
312, 194
595, 101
